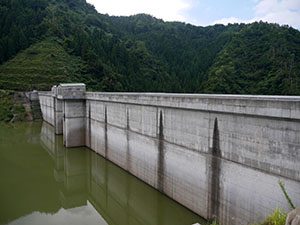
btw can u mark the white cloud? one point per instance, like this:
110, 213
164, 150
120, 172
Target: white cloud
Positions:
273, 11
276, 6
279, 11
168, 10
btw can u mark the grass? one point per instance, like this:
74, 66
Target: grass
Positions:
277, 218
6, 105
9, 109
41, 66
214, 222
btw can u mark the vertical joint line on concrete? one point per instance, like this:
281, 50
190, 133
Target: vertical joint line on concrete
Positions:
214, 190
161, 158
216, 140
54, 106
127, 117
161, 126
90, 132
105, 130
64, 124
127, 141
105, 114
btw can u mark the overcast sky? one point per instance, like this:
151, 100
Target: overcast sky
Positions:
207, 12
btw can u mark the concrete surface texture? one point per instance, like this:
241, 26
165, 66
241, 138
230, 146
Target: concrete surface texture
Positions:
47, 107
219, 155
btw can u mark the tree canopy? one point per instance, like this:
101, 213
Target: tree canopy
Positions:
142, 53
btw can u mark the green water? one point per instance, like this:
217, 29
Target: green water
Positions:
44, 183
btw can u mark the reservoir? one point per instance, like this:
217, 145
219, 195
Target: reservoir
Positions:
42, 182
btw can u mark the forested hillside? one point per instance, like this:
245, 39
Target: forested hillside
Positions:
46, 42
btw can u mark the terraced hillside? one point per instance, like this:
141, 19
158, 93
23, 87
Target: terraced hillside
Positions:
41, 66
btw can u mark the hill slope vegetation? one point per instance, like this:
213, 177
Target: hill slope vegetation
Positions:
68, 41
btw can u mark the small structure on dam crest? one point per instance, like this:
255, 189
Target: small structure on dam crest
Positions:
66, 112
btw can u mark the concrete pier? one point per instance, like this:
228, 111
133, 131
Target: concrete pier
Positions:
181, 143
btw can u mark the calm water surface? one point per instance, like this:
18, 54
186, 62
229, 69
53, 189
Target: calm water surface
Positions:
44, 183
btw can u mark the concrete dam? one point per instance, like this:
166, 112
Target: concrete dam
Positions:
220, 156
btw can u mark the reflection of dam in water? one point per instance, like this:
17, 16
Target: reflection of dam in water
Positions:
189, 174
109, 190
218, 155
121, 199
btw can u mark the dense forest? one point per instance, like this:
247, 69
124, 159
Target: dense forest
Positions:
45, 42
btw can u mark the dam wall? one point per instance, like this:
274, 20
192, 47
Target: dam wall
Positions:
258, 131
47, 106
211, 153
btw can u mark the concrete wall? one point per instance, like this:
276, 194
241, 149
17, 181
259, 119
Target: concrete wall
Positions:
64, 108
244, 195
47, 107
180, 144
257, 131
186, 145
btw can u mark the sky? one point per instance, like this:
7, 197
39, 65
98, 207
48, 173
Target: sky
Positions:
207, 12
